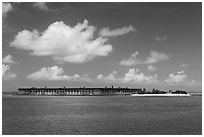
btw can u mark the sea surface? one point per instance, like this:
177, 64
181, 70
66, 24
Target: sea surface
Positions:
101, 115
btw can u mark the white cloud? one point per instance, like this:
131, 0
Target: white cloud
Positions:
134, 76
54, 73
156, 57
41, 6
8, 59
153, 58
111, 77
4, 69
6, 75
44, 6
132, 60
106, 32
160, 38
193, 83
183, 65
151, 68
6, 8
181, 79
64, 43
175, 79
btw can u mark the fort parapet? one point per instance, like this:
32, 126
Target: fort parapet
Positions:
66, 91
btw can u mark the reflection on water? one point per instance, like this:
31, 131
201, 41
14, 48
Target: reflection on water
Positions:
101, 115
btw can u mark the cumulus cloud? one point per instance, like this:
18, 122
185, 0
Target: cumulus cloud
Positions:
106, 32
54, 73
4, 69
175, 79
183, 65
181, 79
156, 57
193, 83
44, 7
132, 60
111, 77
151, 68
134, 76
64, 43
41, 6
8, 59
153, 58
6, 8
160, 38
6, 74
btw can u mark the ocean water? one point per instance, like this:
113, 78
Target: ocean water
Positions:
101, 115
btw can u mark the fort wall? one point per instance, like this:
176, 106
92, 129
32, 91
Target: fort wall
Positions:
65, 91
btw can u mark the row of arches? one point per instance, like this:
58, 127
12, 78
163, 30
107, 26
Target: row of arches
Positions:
76, 91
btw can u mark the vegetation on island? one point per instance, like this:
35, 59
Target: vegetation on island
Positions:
156, 91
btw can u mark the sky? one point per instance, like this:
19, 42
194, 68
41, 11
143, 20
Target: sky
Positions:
136, 45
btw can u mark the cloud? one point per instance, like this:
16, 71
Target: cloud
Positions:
44, 7
106, 32
193, 83
181, 79
175, 79
41, 6
156, 57
4, 69
110, 78
153, 58
8, 59
134, 76
6, 8
151, 68
64, 43
132, 60
6, 75
54, 73
183, 65
160, 38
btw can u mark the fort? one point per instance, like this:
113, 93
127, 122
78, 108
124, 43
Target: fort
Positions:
70, 91
67, 91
